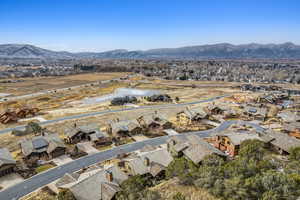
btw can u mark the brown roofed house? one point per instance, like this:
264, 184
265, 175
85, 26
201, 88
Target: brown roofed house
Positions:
154, 121
89, 132
230, 141
124, 128
190, 115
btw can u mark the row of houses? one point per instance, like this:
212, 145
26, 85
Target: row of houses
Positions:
103, 183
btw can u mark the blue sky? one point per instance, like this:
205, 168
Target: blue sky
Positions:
99, 25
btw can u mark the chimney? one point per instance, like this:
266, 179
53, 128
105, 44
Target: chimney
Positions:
147, 161
109, 176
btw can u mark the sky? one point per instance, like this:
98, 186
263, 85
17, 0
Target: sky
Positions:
100, 25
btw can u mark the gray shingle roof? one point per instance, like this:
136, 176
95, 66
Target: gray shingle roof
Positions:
195, 113
97, 186
88, 129
237, 138
5, 157
52, 141
283, 140
199, 148
288, 116
126, 125
160, 157
193, 147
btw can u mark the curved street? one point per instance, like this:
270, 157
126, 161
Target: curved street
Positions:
42, 179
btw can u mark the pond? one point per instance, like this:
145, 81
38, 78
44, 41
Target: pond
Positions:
120, 92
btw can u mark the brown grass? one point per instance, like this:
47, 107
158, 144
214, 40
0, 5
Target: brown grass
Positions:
31, 85
169, 188
42, 194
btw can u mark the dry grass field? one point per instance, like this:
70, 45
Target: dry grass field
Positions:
32, 85
169, 188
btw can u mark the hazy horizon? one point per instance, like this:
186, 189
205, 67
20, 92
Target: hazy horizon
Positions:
147, 49
92, 26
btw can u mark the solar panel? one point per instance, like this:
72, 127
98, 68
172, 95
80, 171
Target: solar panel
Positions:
39, 143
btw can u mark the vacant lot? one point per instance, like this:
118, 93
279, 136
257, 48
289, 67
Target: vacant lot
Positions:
32, 85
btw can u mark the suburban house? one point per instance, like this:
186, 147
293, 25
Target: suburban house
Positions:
282, 142
154, 121
87, 133
192, 147
7, 163
293, 129
230, 113
8, 117
256, 113
124, 128
288, 117
190, 115
151, 162
44, 147
230, 141
213, 109
98, 184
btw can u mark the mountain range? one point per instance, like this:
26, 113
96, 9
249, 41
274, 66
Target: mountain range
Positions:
215, 51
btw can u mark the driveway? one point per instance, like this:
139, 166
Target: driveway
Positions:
61, 160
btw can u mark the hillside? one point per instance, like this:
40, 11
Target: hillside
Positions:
215, 51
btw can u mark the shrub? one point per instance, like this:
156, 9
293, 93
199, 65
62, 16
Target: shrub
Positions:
295, 154
252, 149
65, 195
178, 196
135, 188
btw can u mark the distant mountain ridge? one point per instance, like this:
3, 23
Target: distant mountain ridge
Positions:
215, 51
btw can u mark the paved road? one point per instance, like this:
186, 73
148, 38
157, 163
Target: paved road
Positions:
37, 181
111, 111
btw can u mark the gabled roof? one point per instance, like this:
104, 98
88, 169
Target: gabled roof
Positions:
98, 135
159, 157
88, 129
292, 126
126, 125
109, 190
288, 116
255, 110
193, 147
195, 112
5, 157
154, 118
39, 144
199, 148
96, 185
237, 137
283, 140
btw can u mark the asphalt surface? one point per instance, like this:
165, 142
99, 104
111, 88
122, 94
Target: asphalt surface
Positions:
111, 111
42, 179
